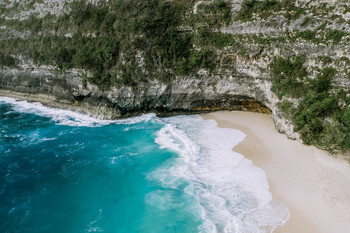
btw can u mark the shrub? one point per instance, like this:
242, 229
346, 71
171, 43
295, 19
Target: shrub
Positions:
325, 59
7, 60
335, 35
214, 13
252, 6
202, 59
346, 117
322, 83
286, 108
307, 35
319, 118
310, 121
288, 77
215, 39
266, 8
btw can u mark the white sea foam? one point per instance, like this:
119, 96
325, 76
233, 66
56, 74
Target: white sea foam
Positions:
232, 194
91, 227
68, 117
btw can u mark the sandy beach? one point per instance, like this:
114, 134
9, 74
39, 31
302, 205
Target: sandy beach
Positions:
312, 184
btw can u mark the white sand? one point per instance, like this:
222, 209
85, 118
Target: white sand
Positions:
314, 185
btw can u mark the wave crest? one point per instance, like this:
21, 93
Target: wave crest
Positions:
68, 117
232, 194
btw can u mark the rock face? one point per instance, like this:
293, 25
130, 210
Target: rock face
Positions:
241, 79
184, 95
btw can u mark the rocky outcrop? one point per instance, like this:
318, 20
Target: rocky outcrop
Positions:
184, 95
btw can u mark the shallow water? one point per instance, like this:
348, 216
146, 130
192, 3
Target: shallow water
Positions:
61, 171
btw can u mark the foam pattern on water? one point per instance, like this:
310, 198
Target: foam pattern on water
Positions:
223, 190
68, 117
232, 195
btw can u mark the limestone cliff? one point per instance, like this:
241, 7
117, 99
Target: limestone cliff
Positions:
229, 61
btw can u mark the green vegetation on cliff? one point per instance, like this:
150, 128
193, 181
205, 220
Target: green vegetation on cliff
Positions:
213, 14
266, 8
289, 77
107, 38
7, 60
322, 115
121, 42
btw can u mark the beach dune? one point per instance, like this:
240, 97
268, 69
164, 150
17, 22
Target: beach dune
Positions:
314, 185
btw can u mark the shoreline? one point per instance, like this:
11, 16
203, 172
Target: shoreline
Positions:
46, 100
309, 181
101, 107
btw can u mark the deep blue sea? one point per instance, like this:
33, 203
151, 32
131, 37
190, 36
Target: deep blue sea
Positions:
66, 172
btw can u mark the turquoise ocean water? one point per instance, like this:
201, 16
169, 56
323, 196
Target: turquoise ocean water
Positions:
61, 171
